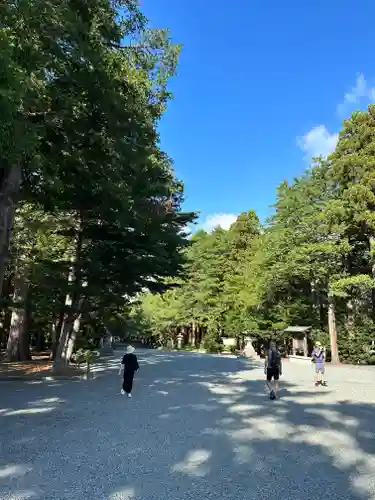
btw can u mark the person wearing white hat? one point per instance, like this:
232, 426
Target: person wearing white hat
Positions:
318, 356
129, 365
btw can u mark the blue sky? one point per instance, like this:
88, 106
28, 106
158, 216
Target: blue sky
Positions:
262, 85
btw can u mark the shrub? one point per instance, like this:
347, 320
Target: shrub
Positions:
355, 345
212, 342
84, 356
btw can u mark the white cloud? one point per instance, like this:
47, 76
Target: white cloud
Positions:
318, 142
215, 220
362, 91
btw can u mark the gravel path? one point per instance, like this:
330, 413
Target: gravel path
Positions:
199, 427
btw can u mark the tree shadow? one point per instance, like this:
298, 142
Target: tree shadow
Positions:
198, 427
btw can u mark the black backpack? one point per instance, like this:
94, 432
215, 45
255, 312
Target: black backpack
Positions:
274, 361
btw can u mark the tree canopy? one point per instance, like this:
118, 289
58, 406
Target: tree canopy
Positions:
92, 229
312, 262
95, 202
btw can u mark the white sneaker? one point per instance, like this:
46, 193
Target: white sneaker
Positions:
122, 391
129, 395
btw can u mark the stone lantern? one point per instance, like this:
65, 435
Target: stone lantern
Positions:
180, 338
249, 349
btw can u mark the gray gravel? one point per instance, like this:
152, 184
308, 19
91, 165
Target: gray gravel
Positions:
198, 427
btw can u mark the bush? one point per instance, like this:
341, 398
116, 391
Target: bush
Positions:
84, 356
354, 345
212, 342
367, 359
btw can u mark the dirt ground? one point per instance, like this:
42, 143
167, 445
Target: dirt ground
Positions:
39, 366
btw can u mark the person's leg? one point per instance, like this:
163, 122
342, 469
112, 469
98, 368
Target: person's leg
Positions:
316, 377
276, 376
323, 379
269, 380
123, 385
126, 386
131, 378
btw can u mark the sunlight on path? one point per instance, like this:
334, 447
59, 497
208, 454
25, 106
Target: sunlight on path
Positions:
198, 427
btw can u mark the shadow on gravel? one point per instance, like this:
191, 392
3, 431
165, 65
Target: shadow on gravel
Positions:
195, 429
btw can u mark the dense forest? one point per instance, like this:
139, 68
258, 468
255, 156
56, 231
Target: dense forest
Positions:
311, 264
90, 206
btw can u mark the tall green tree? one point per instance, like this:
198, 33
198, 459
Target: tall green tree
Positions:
352, 174
99, 82
37, 251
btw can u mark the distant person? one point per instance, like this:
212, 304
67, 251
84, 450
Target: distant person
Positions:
318, 357
129, 365
273, 369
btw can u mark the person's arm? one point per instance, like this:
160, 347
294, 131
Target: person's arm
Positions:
281, 367
136, 364
265, 364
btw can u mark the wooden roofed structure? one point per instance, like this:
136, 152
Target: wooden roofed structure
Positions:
300, 335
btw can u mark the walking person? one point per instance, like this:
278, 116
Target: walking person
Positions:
318, 356
273, 369
129, 365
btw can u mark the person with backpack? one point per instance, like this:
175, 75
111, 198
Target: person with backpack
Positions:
318, 356
273, 369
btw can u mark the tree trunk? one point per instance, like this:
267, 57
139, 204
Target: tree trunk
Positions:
69, 332
54, 342
7, 288
18, 348
55, 328
193, 334
25, 337
72, 304
333, 331
9, 192
200, 334
6, 322
73, 337
62, 351
62, 347
40, 341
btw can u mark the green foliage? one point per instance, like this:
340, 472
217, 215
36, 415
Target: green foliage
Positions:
82, 91
212, 342
315, 254
357, 286
355, 345
85, 356
99, 233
